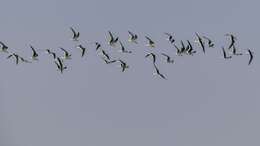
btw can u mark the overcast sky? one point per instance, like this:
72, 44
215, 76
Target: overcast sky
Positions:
205, 101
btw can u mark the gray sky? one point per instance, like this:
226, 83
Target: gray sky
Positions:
205, 101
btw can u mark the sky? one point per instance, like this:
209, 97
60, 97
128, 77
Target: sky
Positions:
205, 100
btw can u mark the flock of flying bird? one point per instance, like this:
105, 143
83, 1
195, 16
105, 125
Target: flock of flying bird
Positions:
203, 41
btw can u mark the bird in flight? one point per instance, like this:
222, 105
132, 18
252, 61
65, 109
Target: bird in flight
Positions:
251, 56
66, 54
109, 62
75, 34
105, 54
60, 65
4, 47
123, 65
169, 37
168, 58
225, 55
123, 50
98, 45
157, 72
35, 54
234, 51
112, 40
48, 51
83, 50
200, 42
133, 37
178, 52
153, 56
189, 49
232, 39
210, 43
150, 42
17, 57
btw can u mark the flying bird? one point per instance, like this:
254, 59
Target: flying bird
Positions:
150, 42
98, 45
109, 62
105, 54
16, 57
189, 49
133, 37
157, 72
60, 65
234, 51
66, 54
210, 43
178, 52
48, 51
75, 34
170, 37
232, 39
123, 50
251, 56
168, 58
200, 42
112, 40
153, 56
123, 65
225, 55
83, 49
35, 54
4, 47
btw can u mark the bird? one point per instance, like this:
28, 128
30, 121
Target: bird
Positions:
60, 65
123, 65
178, 52
182, 47
234, 52
170, 37
168, 58
48, 51
153, 56
98, 45
105, 54
35, 54
232, 39
200, 42
190, 50
150, 42
225, 55
16, 57
210, 43
123, 50
133, 37
157, 72
4, 47
112, 41
66, 54
83, 49
75, 34
109, 62
251, 56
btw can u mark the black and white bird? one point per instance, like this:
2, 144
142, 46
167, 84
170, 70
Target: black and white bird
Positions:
250, 53
98, 45
210, 43
225, 55
234, 51
200, 42
169, 37
105, 54
150, 42
133, 37
157, 72
59, 64
123, 65
232, 39
122, 48
35, 54
3, 47
75, 34
168, 58
112, 40
83, 50
153, 56
66, 54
